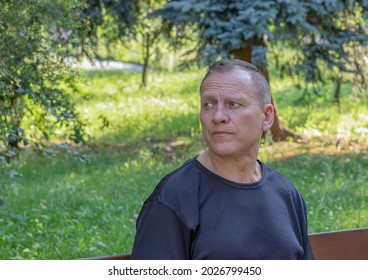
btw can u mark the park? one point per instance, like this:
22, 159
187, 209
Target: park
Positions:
81, 149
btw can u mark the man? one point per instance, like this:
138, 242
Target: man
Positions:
225, 203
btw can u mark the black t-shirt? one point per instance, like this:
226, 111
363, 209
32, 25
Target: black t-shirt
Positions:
195, 214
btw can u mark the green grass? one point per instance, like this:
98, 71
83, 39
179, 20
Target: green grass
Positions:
61, 208
334, 187
76, 210
321, 116
120, 111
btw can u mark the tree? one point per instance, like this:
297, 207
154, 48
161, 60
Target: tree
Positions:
147, 32
126, 20
245, 29
35, 81
114, 18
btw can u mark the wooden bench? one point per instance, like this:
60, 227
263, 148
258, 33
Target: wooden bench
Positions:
341, 245
335, 245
